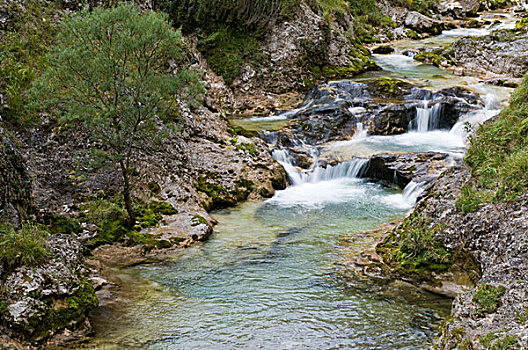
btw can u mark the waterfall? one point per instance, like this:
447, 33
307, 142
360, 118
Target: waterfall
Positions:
350, 169
411, 192
361, 132
427, 118
492, 102
470, 121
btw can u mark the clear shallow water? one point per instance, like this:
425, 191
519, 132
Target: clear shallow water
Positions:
268, 279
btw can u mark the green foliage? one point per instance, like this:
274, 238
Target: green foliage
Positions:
154, 187
69, 312
436, 57
522, 24
27, 246
486, 340
253, 15
423, 6
419, 247
3, 307
499, 4
23, 47
199, 220
487, 298
508, 342
498, 155
111, 219
227, 49
471, 200
62, 224
111, 71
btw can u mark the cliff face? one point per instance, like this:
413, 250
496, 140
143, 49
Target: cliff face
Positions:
15, 183
298, 52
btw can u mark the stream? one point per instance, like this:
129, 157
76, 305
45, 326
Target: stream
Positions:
270, 276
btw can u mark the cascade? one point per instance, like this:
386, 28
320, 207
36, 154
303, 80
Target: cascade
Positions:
473, 119
427, 118
361, 132
411, 192
350, 169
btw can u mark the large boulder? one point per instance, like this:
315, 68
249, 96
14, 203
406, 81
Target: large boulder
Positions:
422, 24
458, 9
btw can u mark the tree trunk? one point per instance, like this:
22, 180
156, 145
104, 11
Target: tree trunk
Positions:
126, 195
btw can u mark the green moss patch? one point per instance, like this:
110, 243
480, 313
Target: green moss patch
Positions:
435, 57
61, 314
413, 248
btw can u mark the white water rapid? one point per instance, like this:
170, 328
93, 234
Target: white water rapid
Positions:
427, 118
336, 184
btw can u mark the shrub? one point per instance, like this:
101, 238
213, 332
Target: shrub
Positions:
419, 247
27, 246
227, 49
487, 298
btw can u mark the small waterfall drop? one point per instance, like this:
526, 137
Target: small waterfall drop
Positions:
350, 169
470, 121
411, 192
492, 102
427, 118
361, 132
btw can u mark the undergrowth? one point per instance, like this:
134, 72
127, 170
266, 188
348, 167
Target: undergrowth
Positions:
112, 221
23, 47
498, 155
26, 246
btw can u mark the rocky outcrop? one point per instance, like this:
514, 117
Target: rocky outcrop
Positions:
421, 23
458, 9
486, 270
300, 51
500, 57
15, 183
332, 112
52, 300
404, 168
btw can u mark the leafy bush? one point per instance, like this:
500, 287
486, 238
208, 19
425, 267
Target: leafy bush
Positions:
227, 49
111, 219
419, 247
252, 15
27, 246
488, 298
471, 200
